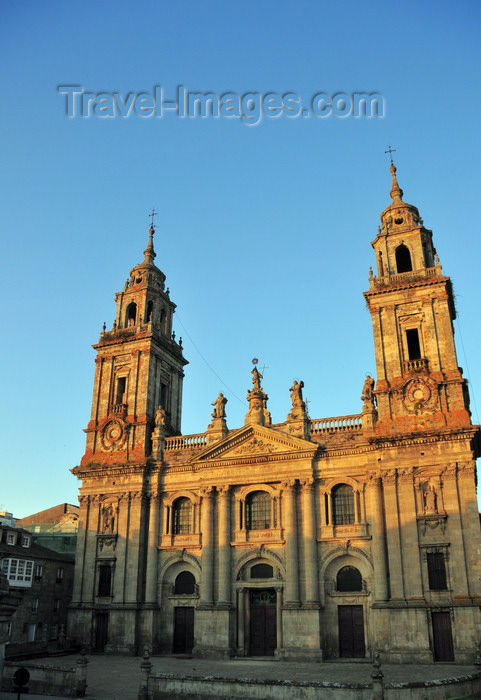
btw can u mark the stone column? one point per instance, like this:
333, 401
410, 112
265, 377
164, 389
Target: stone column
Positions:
378, 539
309, 532
393, 534
292, 549
459, 531
279, 616
152, 551
409, 533
206, 587
224, 547
80, 559
241, 620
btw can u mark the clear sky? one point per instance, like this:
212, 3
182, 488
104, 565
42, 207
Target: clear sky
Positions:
263, 230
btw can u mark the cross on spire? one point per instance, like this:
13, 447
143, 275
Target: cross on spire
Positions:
390, 151
152, 214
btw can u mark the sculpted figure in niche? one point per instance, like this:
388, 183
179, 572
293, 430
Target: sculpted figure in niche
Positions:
430, 500
219, 406
296, 395
108, 518
368, 390
160, 416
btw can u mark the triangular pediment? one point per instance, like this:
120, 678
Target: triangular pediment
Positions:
256, 441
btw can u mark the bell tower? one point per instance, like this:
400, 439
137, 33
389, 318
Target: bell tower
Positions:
419, 384
139, 366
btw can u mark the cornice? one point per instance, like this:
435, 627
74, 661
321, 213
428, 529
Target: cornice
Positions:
401, 285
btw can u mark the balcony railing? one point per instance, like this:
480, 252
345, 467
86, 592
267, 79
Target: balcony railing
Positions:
406, 277
337, 424
415, 365
185, 442
119, 409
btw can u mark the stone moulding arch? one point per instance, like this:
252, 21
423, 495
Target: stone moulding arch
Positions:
169, 500
178, 558
260, 553
251, 488
355, 485
341, 552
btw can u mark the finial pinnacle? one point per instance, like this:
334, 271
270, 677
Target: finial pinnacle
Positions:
390, 151
152, 214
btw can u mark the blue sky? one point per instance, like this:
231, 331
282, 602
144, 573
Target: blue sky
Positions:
263, 230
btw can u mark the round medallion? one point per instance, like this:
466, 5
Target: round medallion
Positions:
418, 395
112, 433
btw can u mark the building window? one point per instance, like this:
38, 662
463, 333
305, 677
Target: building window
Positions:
11, 538
343, 505
38, 572
105, 580
349, 579
54, 632
59, 575
120, 390
131, 315
18, 572
258, 511
262, 571
34, 605
403, 259
182, 511
437, 571
414, 347
56, 604
185, 583
25, 541
148, 311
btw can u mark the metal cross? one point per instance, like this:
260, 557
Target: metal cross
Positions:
390, 151
152, 214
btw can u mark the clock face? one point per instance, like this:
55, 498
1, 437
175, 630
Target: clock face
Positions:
112, 434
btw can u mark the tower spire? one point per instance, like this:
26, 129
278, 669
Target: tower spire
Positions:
396, 192
149, 252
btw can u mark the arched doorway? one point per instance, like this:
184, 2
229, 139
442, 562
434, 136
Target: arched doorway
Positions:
263, 622
183, 641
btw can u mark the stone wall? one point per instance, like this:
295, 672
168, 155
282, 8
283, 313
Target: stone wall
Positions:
169, 687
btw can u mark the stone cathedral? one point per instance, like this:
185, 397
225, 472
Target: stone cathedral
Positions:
307, 539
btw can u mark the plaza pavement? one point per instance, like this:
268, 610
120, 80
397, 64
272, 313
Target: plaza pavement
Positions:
118, 677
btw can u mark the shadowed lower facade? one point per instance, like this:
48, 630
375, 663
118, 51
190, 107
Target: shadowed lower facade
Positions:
308, 539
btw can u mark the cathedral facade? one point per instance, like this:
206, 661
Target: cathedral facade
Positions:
308, 539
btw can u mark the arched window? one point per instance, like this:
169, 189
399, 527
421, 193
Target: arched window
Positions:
343, 505
131, 315
148, 311
163, 319
262, 571
258, 511
185, 583
403, 259
182, 516
349, 579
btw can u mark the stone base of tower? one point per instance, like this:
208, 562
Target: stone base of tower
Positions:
300, 635
212, 633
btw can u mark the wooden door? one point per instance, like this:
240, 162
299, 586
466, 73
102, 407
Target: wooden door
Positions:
263, 622
442, 636
101, 630
183, 630
351, 631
